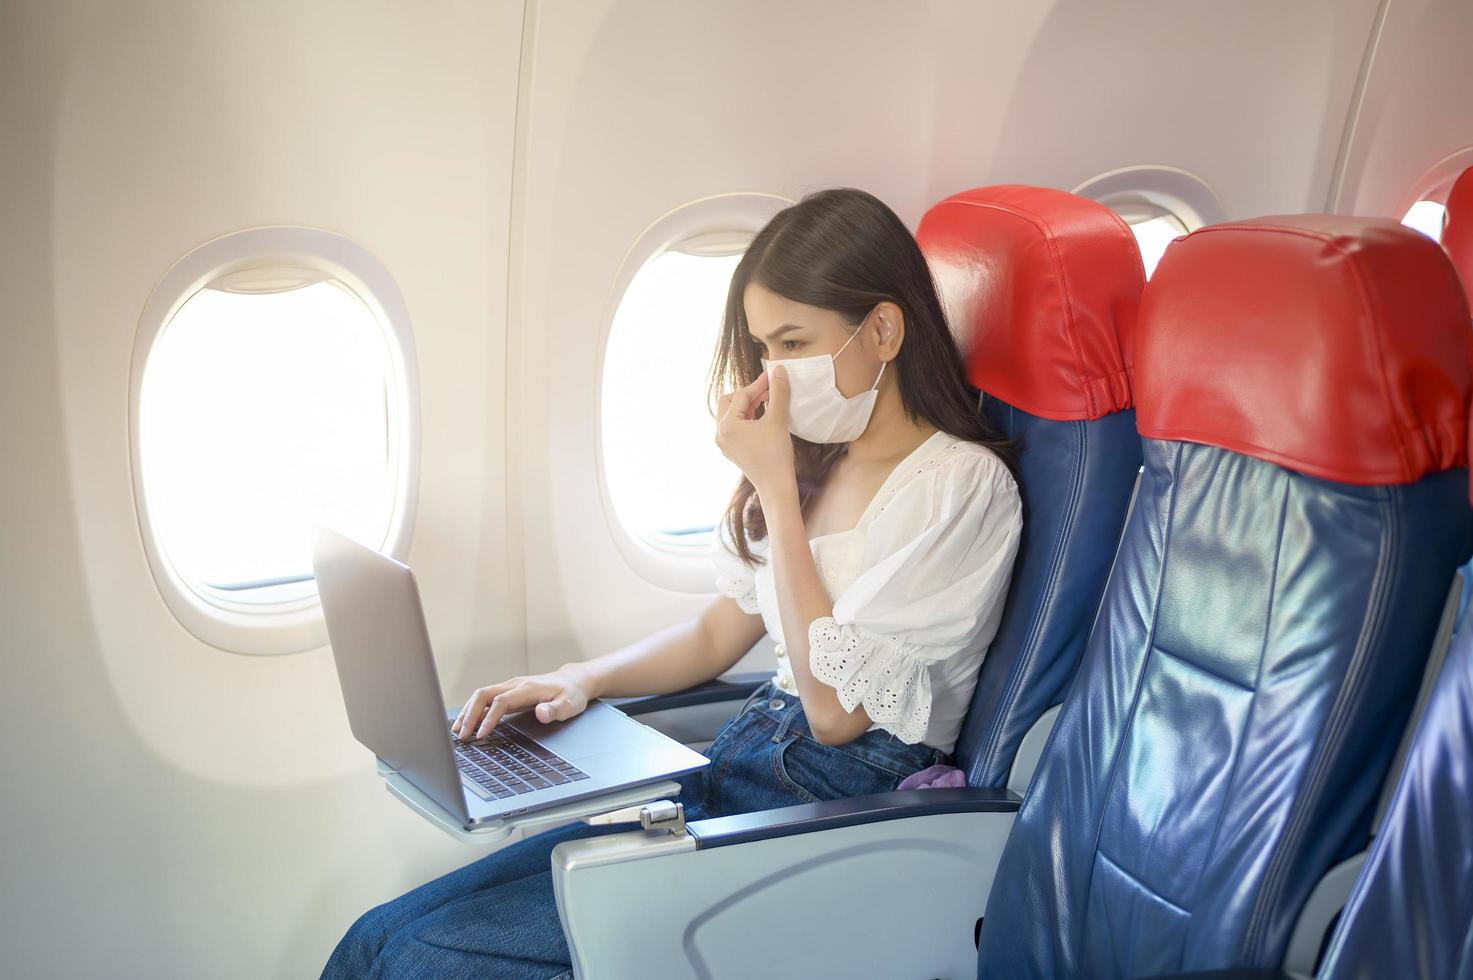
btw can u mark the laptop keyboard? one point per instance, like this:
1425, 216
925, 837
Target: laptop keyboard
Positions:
508, 763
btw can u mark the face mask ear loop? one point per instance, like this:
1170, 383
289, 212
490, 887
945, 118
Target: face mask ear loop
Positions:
846, 343
882, 363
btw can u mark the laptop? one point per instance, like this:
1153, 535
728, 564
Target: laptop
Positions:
392, 693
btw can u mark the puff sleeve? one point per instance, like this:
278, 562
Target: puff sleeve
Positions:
734, 577
938, 558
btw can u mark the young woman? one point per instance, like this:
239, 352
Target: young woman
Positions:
872, 536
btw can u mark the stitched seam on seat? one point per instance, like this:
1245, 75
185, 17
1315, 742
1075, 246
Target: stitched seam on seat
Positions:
1105, 588
1367, 880
1270, 455
1071, 330
1140, 679
1029, 654
1207, 670
1465, 956
1154, 893
1330, 737
1369, 326
1268, 619
1057, 261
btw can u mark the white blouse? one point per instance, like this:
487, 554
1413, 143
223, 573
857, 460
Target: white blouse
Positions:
917, 588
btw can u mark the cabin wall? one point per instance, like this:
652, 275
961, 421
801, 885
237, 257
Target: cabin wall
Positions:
175, 810
1416, 110
918, 102
1250, 97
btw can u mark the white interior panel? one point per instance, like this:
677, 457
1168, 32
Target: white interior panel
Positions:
222, 821
175, 810
1416, 117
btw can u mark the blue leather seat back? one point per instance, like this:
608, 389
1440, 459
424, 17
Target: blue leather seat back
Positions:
1258, 650
1046, 285
1411, 911
1457, 241
1076, 479
1265, 624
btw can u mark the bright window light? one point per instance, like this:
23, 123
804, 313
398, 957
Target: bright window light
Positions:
665, 476
259, 414
1152, 235
1426, 217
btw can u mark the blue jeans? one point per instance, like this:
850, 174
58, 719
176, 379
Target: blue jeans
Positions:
496, 917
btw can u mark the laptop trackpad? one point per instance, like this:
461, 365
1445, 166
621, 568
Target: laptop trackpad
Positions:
601, 728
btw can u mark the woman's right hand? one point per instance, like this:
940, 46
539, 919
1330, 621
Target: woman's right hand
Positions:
555, 697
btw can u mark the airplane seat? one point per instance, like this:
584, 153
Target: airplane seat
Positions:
1301, 387
1411, 911
1457, 241
1046, 285
1457, 231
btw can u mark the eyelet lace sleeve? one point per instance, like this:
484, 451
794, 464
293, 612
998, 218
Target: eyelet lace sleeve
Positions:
935, 571
864, 667
734, 577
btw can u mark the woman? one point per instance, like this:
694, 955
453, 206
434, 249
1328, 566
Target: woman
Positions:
872, 536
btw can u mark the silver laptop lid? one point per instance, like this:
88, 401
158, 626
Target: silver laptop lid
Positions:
381, 647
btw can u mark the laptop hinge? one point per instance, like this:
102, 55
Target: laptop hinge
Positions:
654, 815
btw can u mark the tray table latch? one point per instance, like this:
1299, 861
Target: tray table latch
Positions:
655, 815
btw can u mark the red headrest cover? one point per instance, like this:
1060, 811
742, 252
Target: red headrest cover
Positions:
1457, 234
1045, 286
1336, 346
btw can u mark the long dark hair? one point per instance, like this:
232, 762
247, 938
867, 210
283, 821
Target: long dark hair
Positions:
843, 249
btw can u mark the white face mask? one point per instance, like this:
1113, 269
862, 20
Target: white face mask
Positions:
817, 409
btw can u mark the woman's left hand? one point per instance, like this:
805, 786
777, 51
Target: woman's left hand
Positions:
762, 446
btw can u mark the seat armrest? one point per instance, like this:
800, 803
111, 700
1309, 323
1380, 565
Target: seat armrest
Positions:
807, 818
727, 687
647, 904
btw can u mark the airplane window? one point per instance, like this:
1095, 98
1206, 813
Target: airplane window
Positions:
1153, 232
1159, 203
1426, 217
262, 411
667, 482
